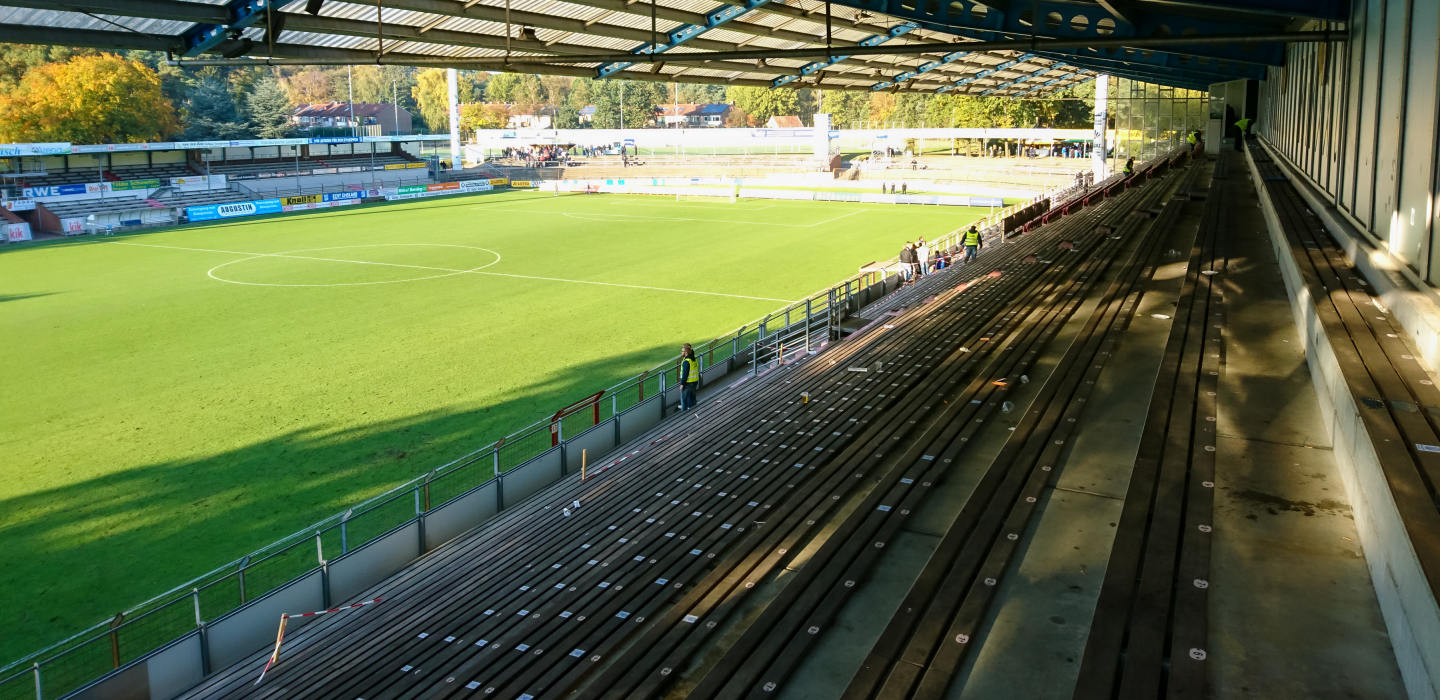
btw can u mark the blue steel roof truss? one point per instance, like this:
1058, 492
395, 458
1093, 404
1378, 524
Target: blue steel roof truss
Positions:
969, 19
988, 72
1170, 76
684, 33
922, 68
204, 37
872, 40
1022, 79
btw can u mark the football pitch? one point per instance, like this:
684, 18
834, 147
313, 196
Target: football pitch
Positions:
176, 399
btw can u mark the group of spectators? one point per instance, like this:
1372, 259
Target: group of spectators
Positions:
1053, 151
919, 258
533, 155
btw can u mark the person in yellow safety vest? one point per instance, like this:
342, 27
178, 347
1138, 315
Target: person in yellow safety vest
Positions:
689, 377
972, 244
1129, 167
1244, 126
1191, 138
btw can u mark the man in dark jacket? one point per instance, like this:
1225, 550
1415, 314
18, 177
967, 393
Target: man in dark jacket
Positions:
907, 261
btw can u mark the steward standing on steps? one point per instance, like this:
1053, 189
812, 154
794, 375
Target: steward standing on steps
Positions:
1130, 167
972, 244
1244, 126
689, 377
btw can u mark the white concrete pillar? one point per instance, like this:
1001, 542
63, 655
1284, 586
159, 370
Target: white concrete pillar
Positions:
1102, 118
457, 159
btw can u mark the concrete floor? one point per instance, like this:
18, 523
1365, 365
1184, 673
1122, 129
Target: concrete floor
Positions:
1292, 610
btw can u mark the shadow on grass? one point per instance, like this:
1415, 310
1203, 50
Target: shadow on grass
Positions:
78, 554
18, 297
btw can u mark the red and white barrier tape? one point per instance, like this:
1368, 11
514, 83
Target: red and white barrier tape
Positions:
280, 636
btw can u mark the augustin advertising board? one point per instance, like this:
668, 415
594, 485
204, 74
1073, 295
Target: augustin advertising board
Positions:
226, 211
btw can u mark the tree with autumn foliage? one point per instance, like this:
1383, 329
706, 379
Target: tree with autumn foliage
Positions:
99, 98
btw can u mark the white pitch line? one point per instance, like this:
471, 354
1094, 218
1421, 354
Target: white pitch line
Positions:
635, 203
622, 217
857, 211
446, 269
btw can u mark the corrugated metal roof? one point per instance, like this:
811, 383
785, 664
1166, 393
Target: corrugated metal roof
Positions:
581, 26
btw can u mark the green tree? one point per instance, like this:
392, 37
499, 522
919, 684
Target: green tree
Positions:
567, 116
432, 97
639, 99
481, 116
762, 103
270, 110
97, 98
502, 87
175, 82
18, 59
702, 93
847, 108
210, 114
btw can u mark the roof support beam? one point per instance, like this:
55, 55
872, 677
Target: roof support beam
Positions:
922, 68
1036, 46
1021, 79
684, 33
1048, 83
89, 38
239, 14
1076, 21
870, 41
987, 72
1113, 7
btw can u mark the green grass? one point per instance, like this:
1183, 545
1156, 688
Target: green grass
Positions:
167, 412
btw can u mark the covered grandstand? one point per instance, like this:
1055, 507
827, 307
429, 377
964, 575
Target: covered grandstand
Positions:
1174, 434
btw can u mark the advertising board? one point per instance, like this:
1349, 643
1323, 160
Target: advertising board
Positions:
10, 150
125, 185
17, 232
54, 191
436, 190
210, 212
72, 227
20, 204
301, 199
